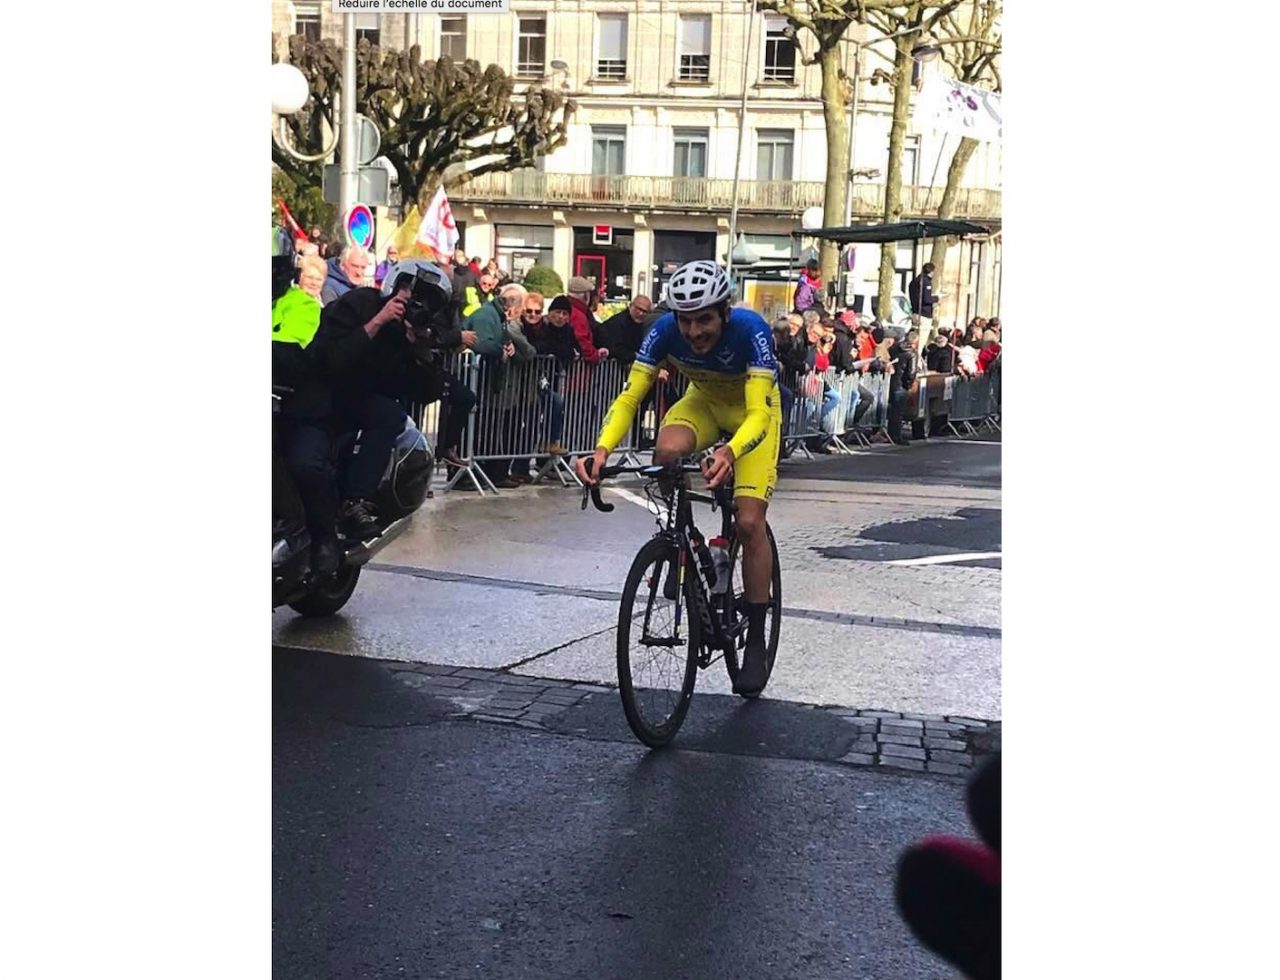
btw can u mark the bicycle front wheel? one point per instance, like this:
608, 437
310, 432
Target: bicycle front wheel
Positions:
657, 649
773, 618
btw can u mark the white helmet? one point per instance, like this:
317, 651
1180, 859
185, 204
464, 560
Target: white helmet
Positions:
697, 285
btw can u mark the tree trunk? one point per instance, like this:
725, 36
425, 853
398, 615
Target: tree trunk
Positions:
955, 173
836, 118
893, 169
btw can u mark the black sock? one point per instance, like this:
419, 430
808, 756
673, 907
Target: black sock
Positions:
756, 612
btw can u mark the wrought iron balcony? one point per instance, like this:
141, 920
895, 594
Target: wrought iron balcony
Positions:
694, 194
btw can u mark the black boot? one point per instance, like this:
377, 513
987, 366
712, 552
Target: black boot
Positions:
754, 673
359, 521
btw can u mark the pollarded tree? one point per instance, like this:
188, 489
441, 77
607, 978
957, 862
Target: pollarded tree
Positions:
432, 115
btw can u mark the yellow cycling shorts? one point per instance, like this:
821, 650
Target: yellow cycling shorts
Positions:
756, 473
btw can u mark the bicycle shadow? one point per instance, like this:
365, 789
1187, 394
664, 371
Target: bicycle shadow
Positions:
724, 724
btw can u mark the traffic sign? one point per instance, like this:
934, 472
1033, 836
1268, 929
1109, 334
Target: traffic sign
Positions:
375, 185
358, 224
368, 139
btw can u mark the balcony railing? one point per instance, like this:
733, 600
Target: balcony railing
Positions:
705, 194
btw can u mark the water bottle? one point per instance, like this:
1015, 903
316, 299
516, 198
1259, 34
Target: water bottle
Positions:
720, 557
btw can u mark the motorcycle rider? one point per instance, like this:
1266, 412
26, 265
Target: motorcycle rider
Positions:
304, 436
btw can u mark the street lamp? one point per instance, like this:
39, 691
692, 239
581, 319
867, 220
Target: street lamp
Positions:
289, 92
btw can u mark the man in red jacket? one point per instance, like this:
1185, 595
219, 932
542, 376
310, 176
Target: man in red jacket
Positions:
579, 292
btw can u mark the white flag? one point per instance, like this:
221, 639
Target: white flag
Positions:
438, 230
948, 106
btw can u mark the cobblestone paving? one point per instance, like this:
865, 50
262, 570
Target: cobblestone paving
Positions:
943, 745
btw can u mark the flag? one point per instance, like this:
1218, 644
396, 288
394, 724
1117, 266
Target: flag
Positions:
294, 228
438, 231
949, 106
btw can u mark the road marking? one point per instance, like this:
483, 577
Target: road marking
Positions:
628, 495
978, 442
945, 559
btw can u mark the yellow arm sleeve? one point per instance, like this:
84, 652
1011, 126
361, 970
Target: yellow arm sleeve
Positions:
623, 410
756, 423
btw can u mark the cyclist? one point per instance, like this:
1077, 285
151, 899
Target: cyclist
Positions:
728, 357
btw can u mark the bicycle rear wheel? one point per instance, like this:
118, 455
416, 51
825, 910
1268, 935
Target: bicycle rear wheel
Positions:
773, 619
657, 668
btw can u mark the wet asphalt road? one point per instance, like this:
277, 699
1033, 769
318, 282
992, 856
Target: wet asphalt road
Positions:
410, 842
407, 844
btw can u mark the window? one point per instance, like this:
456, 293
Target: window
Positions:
691, 153
367, 27
608, 150
611, 56
779, 52
695, 49
307, 19
911, 161
774, 148
453, 38
531, 47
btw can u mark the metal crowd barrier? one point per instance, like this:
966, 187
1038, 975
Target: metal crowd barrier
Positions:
815, 415
514, 401
972, 401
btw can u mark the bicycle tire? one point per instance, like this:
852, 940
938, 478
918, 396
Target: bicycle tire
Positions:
773, 623
637, 699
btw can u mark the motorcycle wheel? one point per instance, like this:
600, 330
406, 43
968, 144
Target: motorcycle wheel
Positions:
328, 595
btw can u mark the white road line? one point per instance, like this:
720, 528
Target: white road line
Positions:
978, 442
628, 495
945, 559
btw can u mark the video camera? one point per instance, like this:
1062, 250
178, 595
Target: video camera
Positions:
429, 296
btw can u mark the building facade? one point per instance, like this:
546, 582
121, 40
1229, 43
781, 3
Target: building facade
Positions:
646, 180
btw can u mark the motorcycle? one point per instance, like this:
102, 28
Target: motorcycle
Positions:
405, 484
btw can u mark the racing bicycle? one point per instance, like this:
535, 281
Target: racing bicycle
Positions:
673, 620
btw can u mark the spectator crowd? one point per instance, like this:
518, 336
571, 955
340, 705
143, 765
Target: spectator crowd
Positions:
814, 343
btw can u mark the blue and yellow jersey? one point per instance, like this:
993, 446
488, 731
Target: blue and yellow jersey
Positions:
740, 370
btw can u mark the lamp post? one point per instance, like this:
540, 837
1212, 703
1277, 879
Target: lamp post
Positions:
289, 93
742, 129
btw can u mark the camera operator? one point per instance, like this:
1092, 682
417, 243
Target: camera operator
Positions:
381, 348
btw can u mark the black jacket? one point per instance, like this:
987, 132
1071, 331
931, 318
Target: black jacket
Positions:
940, 359
622, 336
556, 341
793, 354
920, 292
311, 396
904, 367
844, 352
388, 363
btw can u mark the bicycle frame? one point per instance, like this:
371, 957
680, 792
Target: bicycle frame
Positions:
721, 626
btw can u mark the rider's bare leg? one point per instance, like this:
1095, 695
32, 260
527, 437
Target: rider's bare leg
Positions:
757, 558
673, 442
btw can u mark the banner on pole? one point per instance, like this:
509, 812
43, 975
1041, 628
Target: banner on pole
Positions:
438, 231
949, 106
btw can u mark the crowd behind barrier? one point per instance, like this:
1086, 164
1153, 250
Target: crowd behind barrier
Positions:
513, 415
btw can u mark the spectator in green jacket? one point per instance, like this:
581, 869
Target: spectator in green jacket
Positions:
476, 296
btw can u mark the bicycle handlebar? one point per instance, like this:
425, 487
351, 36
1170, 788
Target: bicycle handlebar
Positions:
654, 471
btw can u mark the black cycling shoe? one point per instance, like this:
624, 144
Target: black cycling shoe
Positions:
359, 520
325, 558
754, 673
